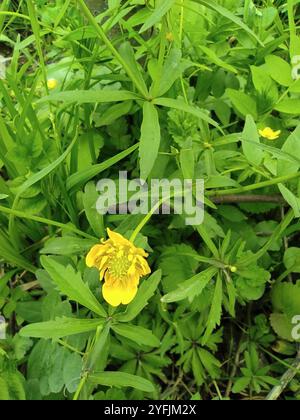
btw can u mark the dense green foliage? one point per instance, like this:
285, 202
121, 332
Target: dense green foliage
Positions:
161, 89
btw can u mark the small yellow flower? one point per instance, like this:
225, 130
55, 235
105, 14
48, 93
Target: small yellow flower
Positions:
121, 265
52, 84
170, 37
270, 134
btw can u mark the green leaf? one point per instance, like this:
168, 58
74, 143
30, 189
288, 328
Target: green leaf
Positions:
90, 96
9, 254
291, 199
113, 113
279, 70
241, 384
251, 282
291, 259
61, 327
161, 10
291, 148
150, 139
127, 53
214, 58
192, 287
67, 245
250, 136
4, 391
171, 71
138, 334
32, 180
121, 379
286, 298
282, 325
263, 83
89, 198
76, 180
229, 15
100, 348
183, 106
145, 292
71, 284
289, 106
72, 372
215, 313
244, 104
187, 163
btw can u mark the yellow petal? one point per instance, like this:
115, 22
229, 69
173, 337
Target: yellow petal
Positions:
52, 84
117, 238
92, 256
119, 293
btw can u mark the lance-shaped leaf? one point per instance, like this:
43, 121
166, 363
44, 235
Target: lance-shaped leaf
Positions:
161, 10
150, 139
61, 327
145, 292
121, 379
138, 334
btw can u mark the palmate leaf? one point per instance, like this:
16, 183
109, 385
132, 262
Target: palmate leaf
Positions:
70, 283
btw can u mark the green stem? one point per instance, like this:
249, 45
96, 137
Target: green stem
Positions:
146, 219
80, 387
257, 186
49, 222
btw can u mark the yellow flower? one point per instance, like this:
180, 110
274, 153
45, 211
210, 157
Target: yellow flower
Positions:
269, 134
170, 37
121, 265
52, 84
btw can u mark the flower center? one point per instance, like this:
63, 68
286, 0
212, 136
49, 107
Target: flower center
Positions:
119, 265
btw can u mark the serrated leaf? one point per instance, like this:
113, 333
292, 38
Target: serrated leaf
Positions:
70, 283
191, 288
145, 292
214, 317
